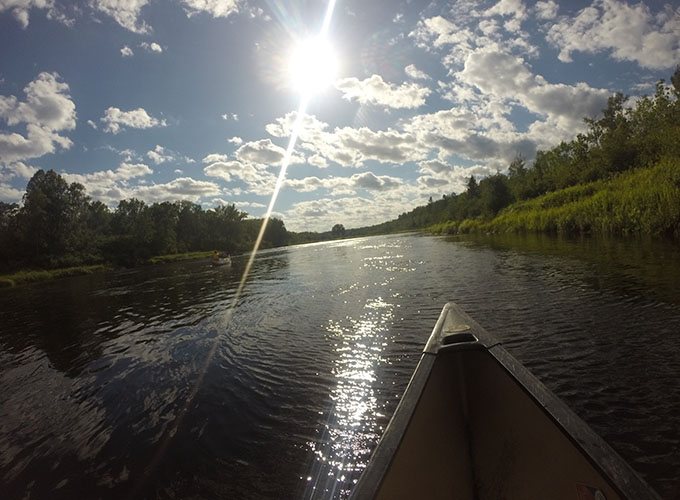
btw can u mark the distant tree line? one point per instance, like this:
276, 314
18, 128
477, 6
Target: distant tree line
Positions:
58, 225
624, 139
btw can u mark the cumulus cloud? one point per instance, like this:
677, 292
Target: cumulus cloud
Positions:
257, 180
116, 120
126, 52
110, 186
235, 140
159, 155
214, 157
374, 90
496, 72
9, 194
151, 47
348, 146
345, 185
47, 111
20, 169
20, 10
628, 32
415, 73
124, 12
215, 8
182, 188
546, 10
264, 152
512, 8
321, 214
437, 32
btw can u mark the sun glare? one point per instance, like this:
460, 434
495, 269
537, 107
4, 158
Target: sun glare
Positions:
313, 66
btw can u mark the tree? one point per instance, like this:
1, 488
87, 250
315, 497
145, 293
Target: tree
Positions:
9, 234
495, 194
675, 81
53, 216
472, 187
338, 231
276, 233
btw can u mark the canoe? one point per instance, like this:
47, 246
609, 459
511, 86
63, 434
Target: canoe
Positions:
222, 261
474, 423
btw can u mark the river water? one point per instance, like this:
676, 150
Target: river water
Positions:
108, 388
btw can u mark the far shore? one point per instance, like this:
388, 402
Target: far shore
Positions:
33, 275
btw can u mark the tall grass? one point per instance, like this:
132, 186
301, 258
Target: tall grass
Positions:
21, 277
643, 201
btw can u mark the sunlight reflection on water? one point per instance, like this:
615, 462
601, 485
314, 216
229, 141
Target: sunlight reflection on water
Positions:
351, 428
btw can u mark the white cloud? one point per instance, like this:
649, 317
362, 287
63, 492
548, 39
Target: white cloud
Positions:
505, 76
546, 10
264, 152
347, 146
9, 194
126, 52
92, 124
258, 181
20, 169
234, 116
345, 185
182, 188
116, 120
235, 140
214, 157
110, 186
440, 32
48, 109
20, 10
215, 8
628, 32
151, 47
159, 155
124, 12
415, 73
321, 214
318, 161
374, 90
512, 8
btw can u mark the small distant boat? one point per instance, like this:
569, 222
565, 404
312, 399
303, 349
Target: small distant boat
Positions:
474, 423
221, 261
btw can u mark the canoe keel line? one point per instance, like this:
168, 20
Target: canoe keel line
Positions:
474, 423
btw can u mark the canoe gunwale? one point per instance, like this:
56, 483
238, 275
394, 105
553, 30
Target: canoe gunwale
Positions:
455, 331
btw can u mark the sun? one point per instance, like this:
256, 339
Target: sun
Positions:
313, 66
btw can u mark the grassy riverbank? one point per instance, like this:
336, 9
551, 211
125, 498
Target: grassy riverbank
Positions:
32, 276
643, 201
22, 277
176, 257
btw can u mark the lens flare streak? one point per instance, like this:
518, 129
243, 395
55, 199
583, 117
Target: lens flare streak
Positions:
226, 319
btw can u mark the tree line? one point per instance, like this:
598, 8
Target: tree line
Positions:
58, 225
624, 140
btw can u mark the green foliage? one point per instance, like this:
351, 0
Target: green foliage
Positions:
338, 231
644, 201
176, 257
621, 177
21, 277
59, 226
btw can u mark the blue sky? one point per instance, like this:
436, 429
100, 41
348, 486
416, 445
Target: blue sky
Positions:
194, 99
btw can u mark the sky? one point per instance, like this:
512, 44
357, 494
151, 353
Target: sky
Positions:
163, 100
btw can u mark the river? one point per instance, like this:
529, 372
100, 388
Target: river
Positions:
109, 388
